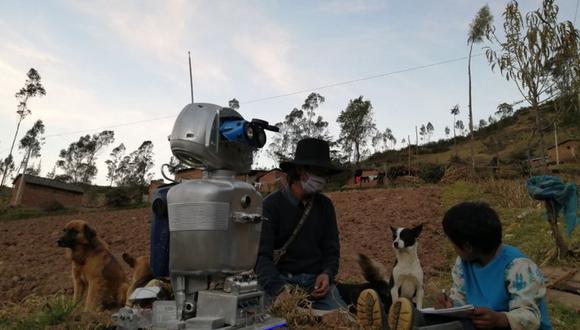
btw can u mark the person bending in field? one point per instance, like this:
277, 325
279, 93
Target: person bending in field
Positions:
506, 288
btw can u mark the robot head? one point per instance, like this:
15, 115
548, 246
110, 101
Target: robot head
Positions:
207, 135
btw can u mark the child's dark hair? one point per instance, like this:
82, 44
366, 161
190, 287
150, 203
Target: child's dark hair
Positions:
474, 223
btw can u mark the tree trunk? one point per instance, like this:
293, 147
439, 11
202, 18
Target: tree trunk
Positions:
454, 137
18, 198
470, 112
553, 220
357, 152
10, 154
536, 108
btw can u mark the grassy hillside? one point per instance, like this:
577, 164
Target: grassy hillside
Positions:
509, 139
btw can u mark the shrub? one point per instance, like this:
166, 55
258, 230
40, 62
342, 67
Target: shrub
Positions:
118, 197
396, 171
454, 159
125, 196
53, 206
431, 173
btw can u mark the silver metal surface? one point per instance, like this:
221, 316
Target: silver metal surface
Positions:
210, 230
240, 284
164, 315
195, 139
238, 310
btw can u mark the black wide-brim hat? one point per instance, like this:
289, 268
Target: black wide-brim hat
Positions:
312, 152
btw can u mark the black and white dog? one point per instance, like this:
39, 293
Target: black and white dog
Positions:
407, 276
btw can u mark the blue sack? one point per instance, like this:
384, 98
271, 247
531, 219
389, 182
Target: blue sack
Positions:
563, 196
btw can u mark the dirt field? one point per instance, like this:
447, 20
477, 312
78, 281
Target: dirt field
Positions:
31, 262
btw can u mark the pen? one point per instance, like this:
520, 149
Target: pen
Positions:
445, 296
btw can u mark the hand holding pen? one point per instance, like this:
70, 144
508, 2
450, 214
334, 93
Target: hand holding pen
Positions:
443, 300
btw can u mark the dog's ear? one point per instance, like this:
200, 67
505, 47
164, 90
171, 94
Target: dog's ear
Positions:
394, 230
90, 235
129, 260
417, 230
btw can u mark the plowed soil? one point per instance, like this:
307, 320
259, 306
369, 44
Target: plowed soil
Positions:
31, 262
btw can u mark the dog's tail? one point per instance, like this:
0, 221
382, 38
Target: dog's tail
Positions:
372, 270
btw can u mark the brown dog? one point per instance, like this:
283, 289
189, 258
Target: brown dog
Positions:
141, 273
94, 268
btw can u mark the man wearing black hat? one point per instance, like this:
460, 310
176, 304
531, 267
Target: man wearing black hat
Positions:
299, 243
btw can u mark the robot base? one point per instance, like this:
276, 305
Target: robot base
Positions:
216, 310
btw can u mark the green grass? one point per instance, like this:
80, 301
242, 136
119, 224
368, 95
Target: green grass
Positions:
56, 311
524, 226
51, 312
18, 213
563, 318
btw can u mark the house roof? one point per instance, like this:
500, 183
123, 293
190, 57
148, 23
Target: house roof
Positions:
50, 183
565, 141
266, 172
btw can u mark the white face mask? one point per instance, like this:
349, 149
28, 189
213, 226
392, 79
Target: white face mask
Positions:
313, 184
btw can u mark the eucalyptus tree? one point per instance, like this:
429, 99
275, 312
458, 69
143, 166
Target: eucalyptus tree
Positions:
530, 46
356, 126
78, 160
32, 87
429, 130
477, 31
504, 110
114, 163
134, 168
455, 112
459, 125
298, 124
234, 104
482, 123
423, 132
31, 143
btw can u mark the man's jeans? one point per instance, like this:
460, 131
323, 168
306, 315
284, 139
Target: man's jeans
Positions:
332, 300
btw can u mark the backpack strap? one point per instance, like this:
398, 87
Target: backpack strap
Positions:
278, 253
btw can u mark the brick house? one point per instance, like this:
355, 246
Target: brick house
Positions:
568, 151
41, 192
152, 187
270, 181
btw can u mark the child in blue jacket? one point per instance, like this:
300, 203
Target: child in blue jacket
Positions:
506, 287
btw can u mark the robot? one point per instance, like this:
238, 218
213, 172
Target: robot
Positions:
205, 233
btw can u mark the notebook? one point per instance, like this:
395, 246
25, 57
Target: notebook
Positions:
453, 311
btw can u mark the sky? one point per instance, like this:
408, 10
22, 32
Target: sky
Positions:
122, 65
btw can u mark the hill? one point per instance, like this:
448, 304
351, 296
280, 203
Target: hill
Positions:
509, 139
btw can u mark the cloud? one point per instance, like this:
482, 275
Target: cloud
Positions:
161, 29
269, 53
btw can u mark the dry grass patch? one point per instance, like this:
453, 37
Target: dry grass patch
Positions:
297, 310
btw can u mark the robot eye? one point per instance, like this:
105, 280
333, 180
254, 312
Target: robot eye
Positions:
250, 132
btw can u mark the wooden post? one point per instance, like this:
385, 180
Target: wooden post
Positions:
553, 220
409, 142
